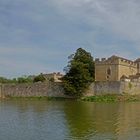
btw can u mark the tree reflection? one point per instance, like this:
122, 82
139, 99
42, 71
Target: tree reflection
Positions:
85, 120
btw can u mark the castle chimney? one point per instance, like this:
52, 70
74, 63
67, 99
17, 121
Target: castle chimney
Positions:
138, 65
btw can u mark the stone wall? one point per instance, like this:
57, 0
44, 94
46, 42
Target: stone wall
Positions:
107, 87
90, 90
117, 87
56, 89
131, 88
35, 89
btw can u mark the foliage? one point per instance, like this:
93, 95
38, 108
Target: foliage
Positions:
103, 98
112, 98
5, 80
24, 80
129, 85
39, 78
79, 73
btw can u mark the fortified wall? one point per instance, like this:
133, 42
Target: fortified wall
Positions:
56, 89
113, 88
117, 87
32, 90
114, 75
114, 67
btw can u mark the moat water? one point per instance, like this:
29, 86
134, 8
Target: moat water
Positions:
68, 120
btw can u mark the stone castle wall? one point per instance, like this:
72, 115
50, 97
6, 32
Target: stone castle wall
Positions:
117, 87
101, 67
56, 89
118, 66
101, 72
101, 88
32, 90
131, 88
127, 68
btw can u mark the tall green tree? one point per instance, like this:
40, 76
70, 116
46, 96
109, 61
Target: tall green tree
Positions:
79, 73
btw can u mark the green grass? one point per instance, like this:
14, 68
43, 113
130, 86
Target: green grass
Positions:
96, 98
112, 98
104, 98
38, 98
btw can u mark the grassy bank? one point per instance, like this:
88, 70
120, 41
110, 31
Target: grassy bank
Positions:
96, 98
38, 98
112, 98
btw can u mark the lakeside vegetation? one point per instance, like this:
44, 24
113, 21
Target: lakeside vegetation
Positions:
39, 98
112, 98
96, 98
23, 79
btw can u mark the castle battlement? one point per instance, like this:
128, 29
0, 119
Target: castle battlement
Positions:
98, 60
126, 61
115, 60
114, 67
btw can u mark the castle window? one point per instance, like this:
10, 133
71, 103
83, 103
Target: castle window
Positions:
107, 77
108, 71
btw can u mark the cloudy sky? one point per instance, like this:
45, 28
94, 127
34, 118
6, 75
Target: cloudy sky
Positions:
38, 35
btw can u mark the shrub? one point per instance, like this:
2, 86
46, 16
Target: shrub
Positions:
39, 78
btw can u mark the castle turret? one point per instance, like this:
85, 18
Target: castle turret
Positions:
138, 64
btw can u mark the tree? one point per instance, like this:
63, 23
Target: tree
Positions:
79, 73
23, 79
39, 78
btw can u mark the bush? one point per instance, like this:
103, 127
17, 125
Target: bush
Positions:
24, 80
39, 78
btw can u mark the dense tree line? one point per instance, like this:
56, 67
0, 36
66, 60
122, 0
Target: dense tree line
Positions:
23, 79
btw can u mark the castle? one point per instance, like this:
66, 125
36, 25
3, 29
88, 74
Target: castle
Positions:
117, 69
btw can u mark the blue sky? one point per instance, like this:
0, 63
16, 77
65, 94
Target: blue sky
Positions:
38, 35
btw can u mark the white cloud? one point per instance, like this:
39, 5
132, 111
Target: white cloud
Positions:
39, 35
122, 17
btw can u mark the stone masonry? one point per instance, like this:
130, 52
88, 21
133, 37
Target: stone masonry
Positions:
113, 68
32, 90
56, 89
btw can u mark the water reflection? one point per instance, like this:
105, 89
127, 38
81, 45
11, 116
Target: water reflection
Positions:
32, 120
128, 122
59, 120
87, 120
115, 121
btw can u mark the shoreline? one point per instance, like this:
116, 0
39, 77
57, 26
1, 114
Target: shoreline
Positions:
95, 98
112, 98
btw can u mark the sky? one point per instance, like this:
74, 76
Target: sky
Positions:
37, 36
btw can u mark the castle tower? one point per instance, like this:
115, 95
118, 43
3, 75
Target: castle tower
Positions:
138, 64
113, 68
